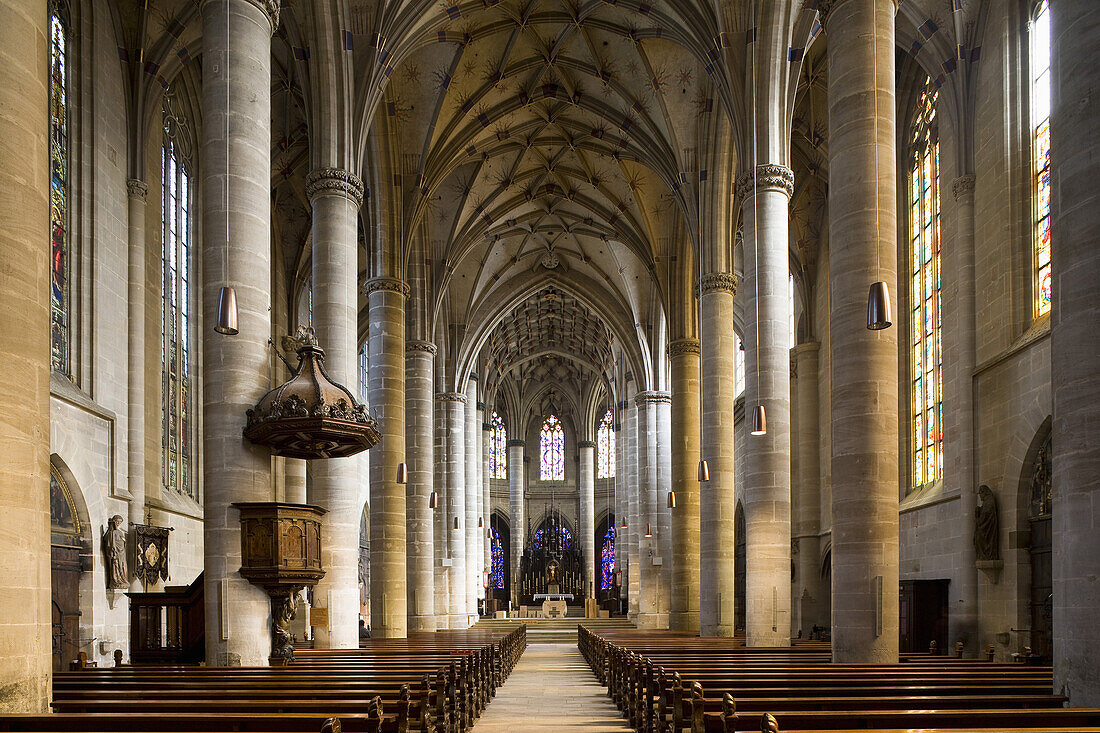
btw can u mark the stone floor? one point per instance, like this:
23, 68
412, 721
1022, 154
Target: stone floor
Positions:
551, 689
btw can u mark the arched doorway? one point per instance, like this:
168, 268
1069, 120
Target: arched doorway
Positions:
1038, 482
67, 545
739, 594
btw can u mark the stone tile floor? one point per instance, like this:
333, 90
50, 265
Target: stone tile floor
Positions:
551, 689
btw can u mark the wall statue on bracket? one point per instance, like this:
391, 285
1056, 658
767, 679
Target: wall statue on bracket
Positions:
987, 543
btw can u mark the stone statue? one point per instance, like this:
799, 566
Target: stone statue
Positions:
114, 550
986, 526
282, 641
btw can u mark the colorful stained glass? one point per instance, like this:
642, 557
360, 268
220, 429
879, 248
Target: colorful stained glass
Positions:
552, 450
59, 193
364, 372
497, 557
498, 447
1040, 121
605, 447
607, 558
551, 534
924, 294
177, 321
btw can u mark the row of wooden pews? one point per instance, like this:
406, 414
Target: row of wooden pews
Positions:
428, 683
665, 682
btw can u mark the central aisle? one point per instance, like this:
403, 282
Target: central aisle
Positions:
551, 689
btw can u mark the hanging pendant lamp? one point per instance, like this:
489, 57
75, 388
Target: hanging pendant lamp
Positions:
672, 500
480, 523
878, 307
433, 500
227, 311
623, 525
704, 470
759, 421
648, 531
456, 522
402, 473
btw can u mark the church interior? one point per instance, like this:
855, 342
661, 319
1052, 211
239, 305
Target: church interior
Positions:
501, 365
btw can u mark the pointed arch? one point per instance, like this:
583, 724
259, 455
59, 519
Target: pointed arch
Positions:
552, 450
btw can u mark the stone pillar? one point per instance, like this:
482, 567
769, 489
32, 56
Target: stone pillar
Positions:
472, 437
419, 455
587, 524
660, 408
716, 497
136, 191
336, 195
235, 368
766, 495
486, 498
441, 528
684, 450
453, 405
25, 616
808, 605
645, 511
621, 502
294, 481
482, 523
633, 534
864, 363
386, 392
1075, 352
516, 513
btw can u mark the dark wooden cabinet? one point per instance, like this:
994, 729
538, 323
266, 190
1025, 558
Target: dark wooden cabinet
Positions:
923, 609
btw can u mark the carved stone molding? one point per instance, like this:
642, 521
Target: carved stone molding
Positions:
480, 406
426, 347
270, 8
713, 281
516, 443
769, 177
963, 186
826, 7
679, 347
334, 182
383, 284
451, 397
586, 444
136, 188
652, 396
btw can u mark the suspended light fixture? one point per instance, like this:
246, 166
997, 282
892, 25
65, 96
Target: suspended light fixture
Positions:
456, 522
480, 523
672, 500
226, 323
402, 473
704, 470
227, 308
648, 531
623, 525
759, 421
878, 307
433, 500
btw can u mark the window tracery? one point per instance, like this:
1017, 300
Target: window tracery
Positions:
498, 447
605, 447
1040, 125
59, 192
607, 558
552, 450
497, 555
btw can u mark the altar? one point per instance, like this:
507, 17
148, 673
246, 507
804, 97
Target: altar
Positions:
554, 605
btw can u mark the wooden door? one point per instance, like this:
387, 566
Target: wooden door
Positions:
1042, 587
923, 615
65, 581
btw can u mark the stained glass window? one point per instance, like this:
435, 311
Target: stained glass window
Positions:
605, 447
497, 565
498, 447
552, 535
177, 308
607, 558
59, 192
552, 450
926, 341
362, 374
1040, 124
738, 364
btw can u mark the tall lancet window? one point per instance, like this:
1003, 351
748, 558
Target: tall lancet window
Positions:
1040, 125
177, 305
59, 191
498, 447
363, 364
607, 558
552, 450
496, 550
605, 447
925, 332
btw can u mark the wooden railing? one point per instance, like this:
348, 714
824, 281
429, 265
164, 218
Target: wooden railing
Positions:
168, 627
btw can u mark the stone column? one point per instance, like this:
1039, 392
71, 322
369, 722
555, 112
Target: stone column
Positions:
235, 368
25, 616
486, 499
644, 510
386, 393
294, 481
419, 455
1075, 352
586, 482
766, 495
807, 522
633, 534
660, 408
441, 527
472, 437
516, 514
136, 191
453, 405
716, 497
482, 523
335, 195
621, 502
684, 603
864, 363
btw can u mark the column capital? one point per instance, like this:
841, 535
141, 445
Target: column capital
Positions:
391, 284
769, 177
586, 444
714, 281
136, 188
270, 8
426, 347
682, 347
517, 443
652, 396
807, 347
480, 406
826, 7
334, 182
963, 186
451, 397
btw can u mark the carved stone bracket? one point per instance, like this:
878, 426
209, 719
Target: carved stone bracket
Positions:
384, 284
962, 186
769, 177
652, 396
451, 397
426, 347
680, 347
334, 182
826, 7
712, 281
136, 188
